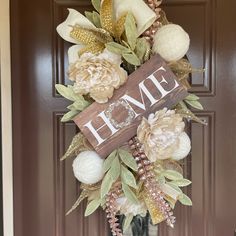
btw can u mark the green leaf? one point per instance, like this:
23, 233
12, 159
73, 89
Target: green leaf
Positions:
131, 58
185, 200
69, 116
128, 178
128, 159
127, 221
96, 4
195, 104
175, 187
106, 185
115, 169
181, 182
96, 19
192, 97
117, 48
142, 48
129, 193
172, 175
108, 161
89, 15
131, 30
92, 207
65, 91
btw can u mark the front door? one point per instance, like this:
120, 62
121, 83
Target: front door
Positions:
44, 187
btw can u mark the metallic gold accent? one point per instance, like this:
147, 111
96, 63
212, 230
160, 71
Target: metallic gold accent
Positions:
155, 213
106, 16
120, 26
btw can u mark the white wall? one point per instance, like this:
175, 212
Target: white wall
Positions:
6, 118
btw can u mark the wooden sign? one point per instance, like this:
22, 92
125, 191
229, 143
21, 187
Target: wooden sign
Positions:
150, 88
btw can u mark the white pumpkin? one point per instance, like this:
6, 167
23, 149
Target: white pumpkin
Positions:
87, 167
171, 42
184, 147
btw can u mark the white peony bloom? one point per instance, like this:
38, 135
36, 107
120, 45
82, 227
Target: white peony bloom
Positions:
160, 134
97, 75
87, 167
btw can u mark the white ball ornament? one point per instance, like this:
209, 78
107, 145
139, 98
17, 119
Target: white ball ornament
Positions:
184, 147
171, 42
87, 167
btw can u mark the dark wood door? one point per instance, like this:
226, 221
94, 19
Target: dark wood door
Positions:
44, 187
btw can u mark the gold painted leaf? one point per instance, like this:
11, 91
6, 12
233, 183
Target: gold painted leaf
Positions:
120, 26
77, 145
83, 195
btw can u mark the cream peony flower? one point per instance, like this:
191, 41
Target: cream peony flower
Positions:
126, 207
160, 134
97, 75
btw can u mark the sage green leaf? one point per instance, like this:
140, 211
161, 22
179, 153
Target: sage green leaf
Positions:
108, 161
192, 97
131, 58
96, 4
181, 182
115, 169
82, 196
161, 179
106, 184
92, 207
195, 104
127, 221
175, 187
117, 48
89, 15
129, 193
131, 30
65, 91
142, 48
185, 200
172, 175
69, 116
128, 159
128, 178
96, 19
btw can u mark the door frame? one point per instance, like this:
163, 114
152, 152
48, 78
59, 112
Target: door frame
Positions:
6, 119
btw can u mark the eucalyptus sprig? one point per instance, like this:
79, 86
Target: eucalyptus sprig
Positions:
175, 180
119, 166
79, 103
